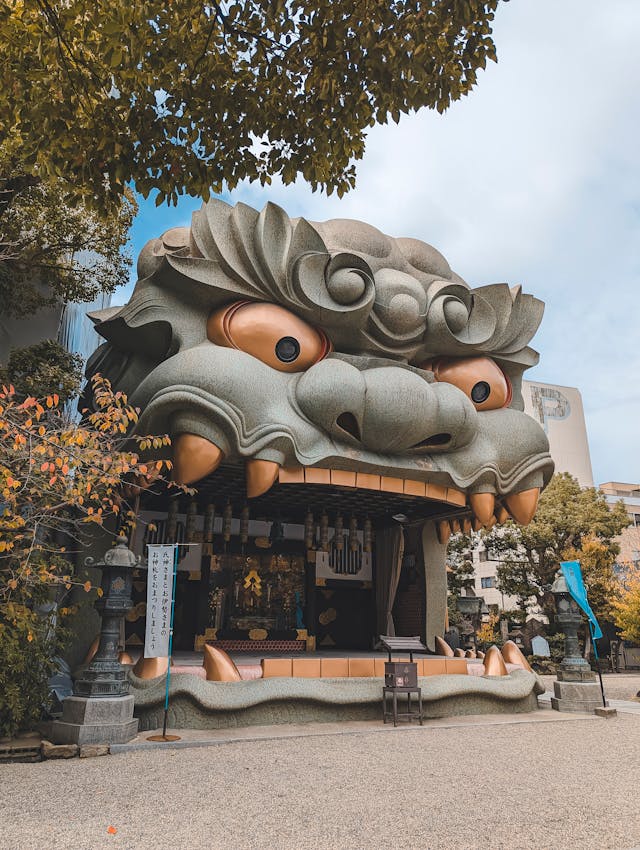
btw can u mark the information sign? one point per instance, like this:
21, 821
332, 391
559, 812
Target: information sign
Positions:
159, 592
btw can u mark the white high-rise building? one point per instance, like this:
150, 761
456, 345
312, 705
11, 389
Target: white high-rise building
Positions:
560, 412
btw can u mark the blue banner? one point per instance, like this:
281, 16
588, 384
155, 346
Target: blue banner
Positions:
575, 583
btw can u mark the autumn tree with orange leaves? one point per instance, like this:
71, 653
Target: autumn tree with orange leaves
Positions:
59, 480
627, 605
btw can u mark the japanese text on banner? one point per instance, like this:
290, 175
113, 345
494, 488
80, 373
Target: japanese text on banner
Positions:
159, 591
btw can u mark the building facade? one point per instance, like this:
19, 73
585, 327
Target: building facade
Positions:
560, 412
629, 540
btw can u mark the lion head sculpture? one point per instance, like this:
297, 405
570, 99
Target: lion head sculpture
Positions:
329, 353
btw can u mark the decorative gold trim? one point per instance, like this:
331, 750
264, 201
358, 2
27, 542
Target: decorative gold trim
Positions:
371, 481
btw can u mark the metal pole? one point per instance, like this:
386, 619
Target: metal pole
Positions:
173, 603
595, 652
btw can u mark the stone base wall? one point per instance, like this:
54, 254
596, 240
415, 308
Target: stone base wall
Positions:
197, 704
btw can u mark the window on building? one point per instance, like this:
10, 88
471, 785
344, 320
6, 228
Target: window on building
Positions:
482, 555
488, 581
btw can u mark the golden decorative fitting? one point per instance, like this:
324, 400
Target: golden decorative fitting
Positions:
443, 532
522, 506
482, 504
150, 668
494, 663
218, 666
502, 515
260, 476
512, 655
194, 458
442, 647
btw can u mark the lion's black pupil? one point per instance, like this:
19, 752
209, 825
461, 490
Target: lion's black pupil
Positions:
480, 392
287, 349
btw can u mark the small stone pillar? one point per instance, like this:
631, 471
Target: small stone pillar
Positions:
576, 687
101, 708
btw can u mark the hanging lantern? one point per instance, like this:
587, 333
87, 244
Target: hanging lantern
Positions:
244, 525
338, 536
324, 532
172, 522
309, 529
190, 524
353, 533
367, 536
227, 516
209, 520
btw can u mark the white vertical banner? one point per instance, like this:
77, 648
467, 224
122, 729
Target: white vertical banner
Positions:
159, 592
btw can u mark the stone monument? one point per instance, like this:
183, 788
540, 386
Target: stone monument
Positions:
576, 688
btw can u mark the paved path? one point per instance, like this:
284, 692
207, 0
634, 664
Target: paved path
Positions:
549, 782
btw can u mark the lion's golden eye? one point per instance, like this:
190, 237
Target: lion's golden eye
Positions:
479, 377
269, 332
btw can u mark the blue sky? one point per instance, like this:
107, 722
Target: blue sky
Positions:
533, 179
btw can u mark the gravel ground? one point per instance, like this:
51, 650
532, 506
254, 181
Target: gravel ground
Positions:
551, 786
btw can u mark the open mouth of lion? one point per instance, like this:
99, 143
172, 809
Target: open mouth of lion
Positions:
292, 491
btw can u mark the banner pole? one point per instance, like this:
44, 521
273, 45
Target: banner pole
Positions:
595, 652
173, 603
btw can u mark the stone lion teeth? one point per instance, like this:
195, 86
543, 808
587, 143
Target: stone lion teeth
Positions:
194, 458
260, 476
150, 668
483, 505
492, 521
443, 531
442, 647
512, 655
502, 515
522, 506
456, 528
494, 663
476, 524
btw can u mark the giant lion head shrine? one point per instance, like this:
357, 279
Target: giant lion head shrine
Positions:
341, 401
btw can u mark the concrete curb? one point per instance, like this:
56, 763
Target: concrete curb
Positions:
192, 739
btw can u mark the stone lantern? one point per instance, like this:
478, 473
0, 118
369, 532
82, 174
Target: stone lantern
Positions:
101, 708
470, 607
576, 688
105, 676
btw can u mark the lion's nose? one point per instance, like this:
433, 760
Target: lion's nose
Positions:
385, 409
